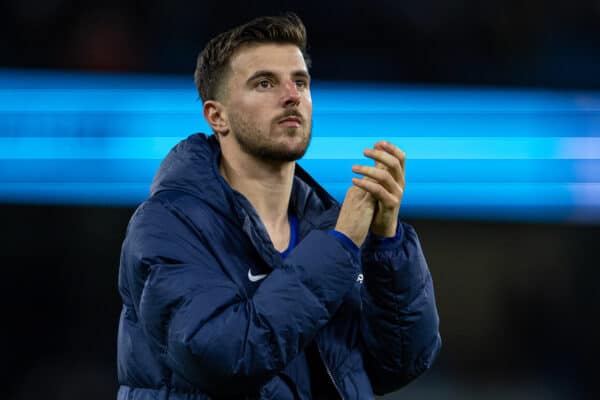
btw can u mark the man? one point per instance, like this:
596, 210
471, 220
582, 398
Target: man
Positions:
242, 278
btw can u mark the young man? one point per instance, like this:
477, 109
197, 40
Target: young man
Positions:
242, 278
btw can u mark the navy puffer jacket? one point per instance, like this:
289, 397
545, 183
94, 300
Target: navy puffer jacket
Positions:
194, 326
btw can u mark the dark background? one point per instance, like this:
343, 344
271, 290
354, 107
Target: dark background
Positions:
494, 42
518, 302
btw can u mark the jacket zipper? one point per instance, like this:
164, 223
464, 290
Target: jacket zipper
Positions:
328, 371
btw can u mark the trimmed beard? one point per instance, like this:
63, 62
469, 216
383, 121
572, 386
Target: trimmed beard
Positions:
257, 143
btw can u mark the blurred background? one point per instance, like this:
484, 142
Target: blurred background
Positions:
497, 104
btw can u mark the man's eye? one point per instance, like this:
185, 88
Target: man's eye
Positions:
301, 84
264, 84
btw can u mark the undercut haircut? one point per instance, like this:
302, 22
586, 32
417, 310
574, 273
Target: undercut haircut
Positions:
213, 65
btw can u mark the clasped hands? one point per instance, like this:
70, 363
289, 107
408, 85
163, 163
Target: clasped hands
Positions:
373, 201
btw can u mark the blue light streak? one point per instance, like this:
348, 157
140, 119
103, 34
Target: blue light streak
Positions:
321, 148
472, 153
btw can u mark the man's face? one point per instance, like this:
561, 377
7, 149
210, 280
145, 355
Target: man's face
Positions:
268, 101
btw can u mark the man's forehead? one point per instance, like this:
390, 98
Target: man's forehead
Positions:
267, 56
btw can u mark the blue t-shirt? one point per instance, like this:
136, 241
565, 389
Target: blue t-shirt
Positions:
293, 235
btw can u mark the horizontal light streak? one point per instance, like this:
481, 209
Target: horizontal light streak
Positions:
364, 123
326, 148
329, 171
527, 155
174, 94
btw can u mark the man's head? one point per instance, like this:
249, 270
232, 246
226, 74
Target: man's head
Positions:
254, 82
212, 66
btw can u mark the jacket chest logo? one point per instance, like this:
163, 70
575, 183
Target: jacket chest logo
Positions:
255, 278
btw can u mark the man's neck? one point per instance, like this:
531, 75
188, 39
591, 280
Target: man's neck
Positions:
268, 187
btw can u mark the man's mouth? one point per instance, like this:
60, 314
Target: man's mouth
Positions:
294, 122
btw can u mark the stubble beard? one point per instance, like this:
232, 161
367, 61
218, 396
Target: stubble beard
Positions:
257, 143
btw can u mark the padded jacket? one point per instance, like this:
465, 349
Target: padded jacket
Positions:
199, 323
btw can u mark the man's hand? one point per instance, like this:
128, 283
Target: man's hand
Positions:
356, 215
385, 182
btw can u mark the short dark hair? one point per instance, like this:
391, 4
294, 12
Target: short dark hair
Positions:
213, 61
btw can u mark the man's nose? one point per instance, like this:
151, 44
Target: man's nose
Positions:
290, 95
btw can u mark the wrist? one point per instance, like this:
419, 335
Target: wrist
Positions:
387, 231
347, 233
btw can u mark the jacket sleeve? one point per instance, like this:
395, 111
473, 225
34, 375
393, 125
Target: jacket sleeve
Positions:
206, 328
399, 323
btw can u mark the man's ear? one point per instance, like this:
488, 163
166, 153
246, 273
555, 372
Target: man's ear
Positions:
216, 116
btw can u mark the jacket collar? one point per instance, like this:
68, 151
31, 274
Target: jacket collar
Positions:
192, 166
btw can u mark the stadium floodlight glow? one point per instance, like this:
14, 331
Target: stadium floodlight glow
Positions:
472, 153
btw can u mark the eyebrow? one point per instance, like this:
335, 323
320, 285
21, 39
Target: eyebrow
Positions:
270, 74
